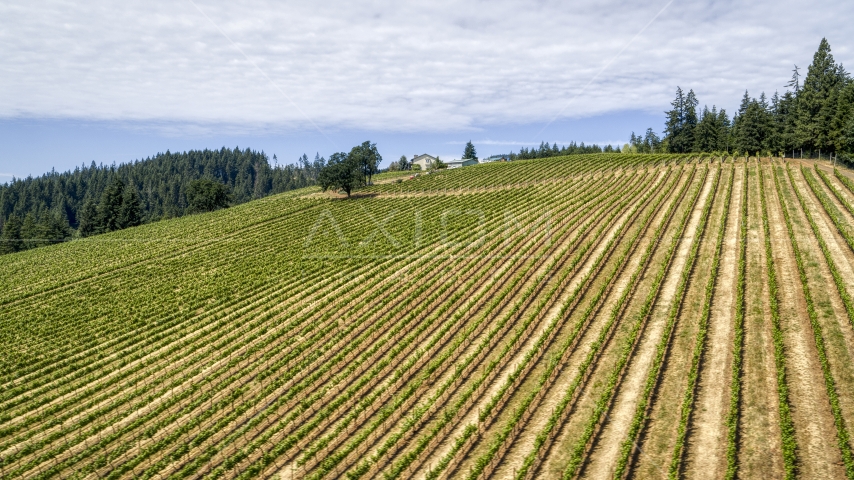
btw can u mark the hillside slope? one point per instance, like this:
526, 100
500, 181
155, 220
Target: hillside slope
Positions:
527, 319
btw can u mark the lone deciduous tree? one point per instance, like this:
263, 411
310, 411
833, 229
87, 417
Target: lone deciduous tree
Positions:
207, 195
367, 158
342, 172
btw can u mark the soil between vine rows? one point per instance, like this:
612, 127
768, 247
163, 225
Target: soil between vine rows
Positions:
233, 359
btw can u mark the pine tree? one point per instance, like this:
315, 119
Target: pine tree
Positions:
816, 101
30, 235
89, 221
745, 102
795, 82
690, 120
403, 163
53, 227
675, 123
651, 141
681, 122
786, 120
10, 240
470, 152
706, 133
754, 129
775, 141
724, 129
846, 139
130, 212
843, 123
109, 208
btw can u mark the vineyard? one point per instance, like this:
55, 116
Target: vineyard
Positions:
590, 316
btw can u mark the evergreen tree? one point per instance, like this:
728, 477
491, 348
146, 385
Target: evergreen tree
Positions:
745, 102
754, 129
846, 139
469, 152
815, 114
161, 183
795, 82
53, 227
724, 129
843, 120
786, 122
690, 120
89, 220
707, 134
775, 142
651, 142
681, 121
816, 100
130, 212
30, 235
675, 122
10, 240
763, 102
403, 163
109, 208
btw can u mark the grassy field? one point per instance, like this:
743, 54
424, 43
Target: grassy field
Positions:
593, 316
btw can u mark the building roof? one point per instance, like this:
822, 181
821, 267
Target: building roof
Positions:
462, 161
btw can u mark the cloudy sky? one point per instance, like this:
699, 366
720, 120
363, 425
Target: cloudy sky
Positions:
115, 81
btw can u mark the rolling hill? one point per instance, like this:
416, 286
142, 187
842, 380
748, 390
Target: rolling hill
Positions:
603, 315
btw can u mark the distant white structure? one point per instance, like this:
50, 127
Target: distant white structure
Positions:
496, 158
465, 162
426, 162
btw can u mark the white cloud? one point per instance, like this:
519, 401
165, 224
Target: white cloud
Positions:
394, 66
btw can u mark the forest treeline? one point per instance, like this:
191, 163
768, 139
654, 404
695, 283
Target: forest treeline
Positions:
545, 150
815, 116
92, 199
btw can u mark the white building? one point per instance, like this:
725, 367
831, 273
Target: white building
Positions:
426, 162
465, 162
496, 158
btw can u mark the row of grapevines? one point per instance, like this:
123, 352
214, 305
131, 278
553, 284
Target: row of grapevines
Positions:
505, 355
842, 435
831, 264
461, 368
614, 195
688, 397
639, 421
603, 403
787, 428
486, 463
547, 435
734, 411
